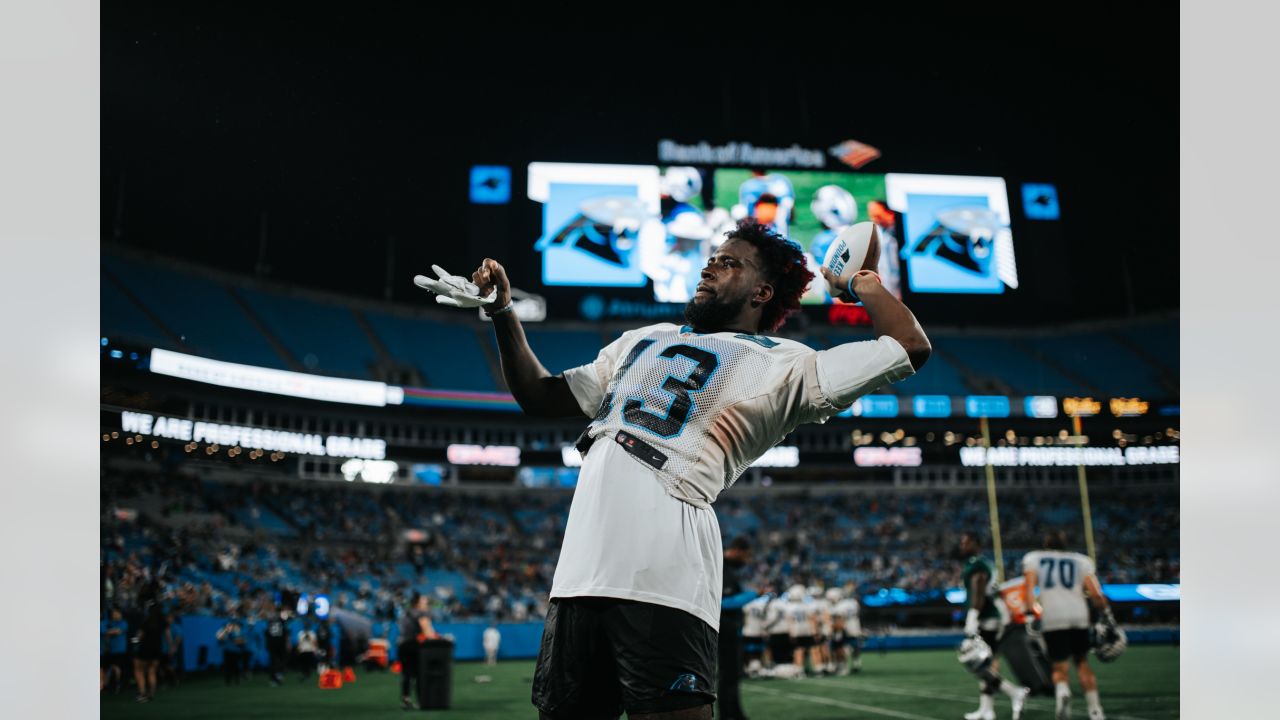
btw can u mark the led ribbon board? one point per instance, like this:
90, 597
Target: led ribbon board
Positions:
276, 382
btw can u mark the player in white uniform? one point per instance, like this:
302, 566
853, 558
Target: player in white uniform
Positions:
491, 639
846, 631
822, 612
754, 632
678, 414
1064, 580
803, 626
778, 647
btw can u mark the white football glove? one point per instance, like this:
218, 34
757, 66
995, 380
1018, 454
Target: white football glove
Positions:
454, 290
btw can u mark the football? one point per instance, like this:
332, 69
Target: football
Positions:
857, 247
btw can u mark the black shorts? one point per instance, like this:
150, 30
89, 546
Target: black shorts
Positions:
121, 659
1067, 644
779, 646
802, 641
752, 647
992, 639
150, 651
602, 656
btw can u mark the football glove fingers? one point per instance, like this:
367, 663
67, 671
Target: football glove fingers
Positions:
454, 290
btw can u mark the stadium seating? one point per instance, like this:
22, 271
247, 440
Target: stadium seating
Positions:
938, 377
342, 539
325, 338
560, 350
997, 359
122, 319
1105, 364
197, 309
448, 355
1158, 342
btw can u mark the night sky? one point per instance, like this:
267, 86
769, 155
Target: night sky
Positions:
341, 133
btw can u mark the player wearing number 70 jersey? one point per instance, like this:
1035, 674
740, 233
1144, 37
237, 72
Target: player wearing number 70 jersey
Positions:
677, 413
1064, 581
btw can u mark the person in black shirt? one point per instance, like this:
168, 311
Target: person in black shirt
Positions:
277, 640
150, 643
734, 596
324, 637
415, 628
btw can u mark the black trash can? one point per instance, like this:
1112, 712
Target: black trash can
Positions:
435, 675
1027, 657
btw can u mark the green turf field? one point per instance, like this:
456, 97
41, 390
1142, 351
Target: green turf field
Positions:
921, 685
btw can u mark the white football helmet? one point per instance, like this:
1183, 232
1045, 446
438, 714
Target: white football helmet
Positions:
834, 206
795, 593
689, 226
974, 654
681, 183
834, 595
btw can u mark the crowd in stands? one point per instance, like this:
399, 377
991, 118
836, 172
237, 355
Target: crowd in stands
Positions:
216, 548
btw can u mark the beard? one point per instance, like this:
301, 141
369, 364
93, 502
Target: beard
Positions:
711, 314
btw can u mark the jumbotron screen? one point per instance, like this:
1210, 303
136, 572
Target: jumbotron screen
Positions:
652, 227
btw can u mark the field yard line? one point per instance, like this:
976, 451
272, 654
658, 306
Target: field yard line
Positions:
818, 699
1032, 703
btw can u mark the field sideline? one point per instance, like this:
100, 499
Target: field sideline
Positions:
907, 685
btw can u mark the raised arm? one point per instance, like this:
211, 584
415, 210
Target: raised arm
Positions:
888, 315
538, 392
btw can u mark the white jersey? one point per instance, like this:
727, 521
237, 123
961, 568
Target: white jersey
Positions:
1060, 581
678, 416
800, 617
492, 638
822, 609
847, 610
775, 617
753, 617
698, 408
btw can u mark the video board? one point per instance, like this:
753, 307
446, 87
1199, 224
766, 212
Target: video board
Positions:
651, 227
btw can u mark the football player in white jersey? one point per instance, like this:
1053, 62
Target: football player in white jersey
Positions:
754, 633
822, 613
778, 648
1064, 581
846, 631
803, 626
678, 413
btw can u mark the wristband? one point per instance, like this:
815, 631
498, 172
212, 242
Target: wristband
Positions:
849, 285
508, 308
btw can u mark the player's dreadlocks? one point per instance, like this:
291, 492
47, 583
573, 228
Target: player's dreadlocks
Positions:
784, 266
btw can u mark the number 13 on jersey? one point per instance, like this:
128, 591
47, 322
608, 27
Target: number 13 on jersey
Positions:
681, 390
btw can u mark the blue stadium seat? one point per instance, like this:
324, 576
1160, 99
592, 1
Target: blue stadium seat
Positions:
1159, 342
937, 377
120, 318
995, 357
1102, 362
197, 309
560, 350
448, 355
325, 338
258, 517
